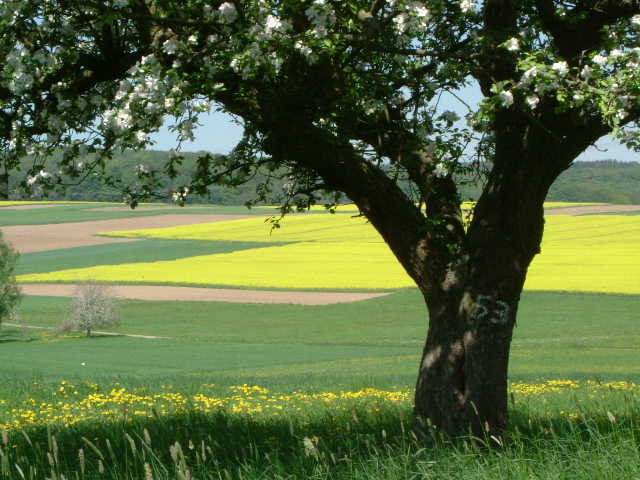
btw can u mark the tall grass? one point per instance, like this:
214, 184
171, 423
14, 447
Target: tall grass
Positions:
587, 431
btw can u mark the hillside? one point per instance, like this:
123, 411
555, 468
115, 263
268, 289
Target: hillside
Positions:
606, 181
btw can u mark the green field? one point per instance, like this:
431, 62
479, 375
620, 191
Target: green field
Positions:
353, 365
559, 335
87, 212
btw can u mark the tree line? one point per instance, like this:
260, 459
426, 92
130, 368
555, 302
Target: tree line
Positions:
602, 181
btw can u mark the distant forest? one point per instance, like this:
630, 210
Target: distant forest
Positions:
606, 181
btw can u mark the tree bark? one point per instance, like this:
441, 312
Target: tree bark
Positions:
462, 380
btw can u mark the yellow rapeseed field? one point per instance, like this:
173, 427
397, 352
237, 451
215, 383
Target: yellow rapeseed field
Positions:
12, 203
597, 253
296, 228
350, 207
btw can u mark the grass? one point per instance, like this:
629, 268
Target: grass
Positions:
176, 408
558, 335
357, 435
148, 250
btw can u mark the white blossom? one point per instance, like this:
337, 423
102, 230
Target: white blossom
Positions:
186, 130
201, 105
615, 53
532, 101
506, 98
141, 169
414, 17
306, 51
321, 16
141, 137
561, 67
171, 46
635, 20
180, 195
228, 12
599, 59
587, 72
38, 177
467, 5
420, 10
440, 171
513, 44
401, 22
272, 23
529, 75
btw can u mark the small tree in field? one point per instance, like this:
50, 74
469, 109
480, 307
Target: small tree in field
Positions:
9, 291
94, 306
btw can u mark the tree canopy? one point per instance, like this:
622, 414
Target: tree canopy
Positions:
345, 96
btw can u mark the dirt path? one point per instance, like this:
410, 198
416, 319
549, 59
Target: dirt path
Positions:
39, 238
195, 294
147, 208
19, 325
588, 209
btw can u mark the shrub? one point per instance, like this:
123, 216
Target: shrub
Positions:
9, 291
94, 306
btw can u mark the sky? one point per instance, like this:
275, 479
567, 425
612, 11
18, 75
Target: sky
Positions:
219, 134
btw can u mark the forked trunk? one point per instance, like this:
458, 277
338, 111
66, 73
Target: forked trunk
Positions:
462, 382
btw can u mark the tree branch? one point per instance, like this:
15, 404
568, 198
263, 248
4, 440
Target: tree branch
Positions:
580, 31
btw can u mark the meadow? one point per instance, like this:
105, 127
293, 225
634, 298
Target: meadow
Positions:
295, 391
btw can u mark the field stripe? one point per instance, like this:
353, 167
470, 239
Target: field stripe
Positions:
164, 293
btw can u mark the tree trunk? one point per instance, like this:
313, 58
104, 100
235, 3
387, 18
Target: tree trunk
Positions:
472, 300
462, 381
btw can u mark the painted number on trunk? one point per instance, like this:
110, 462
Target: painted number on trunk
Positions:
491, 309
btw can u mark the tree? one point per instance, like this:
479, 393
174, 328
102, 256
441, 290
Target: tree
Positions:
344, 96
93, 307
9, 291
